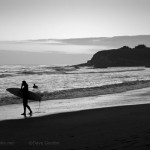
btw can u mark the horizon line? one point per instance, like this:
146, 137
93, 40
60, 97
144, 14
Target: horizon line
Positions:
75, 38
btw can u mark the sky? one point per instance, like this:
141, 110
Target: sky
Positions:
48, 19
22, 21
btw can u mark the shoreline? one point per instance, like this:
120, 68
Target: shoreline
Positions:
118, 127
83, 92
49, 107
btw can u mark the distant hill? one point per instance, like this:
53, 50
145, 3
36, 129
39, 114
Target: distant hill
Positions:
107, 42
122, 57
110, 42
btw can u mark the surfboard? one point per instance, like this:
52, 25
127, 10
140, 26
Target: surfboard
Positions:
18, 92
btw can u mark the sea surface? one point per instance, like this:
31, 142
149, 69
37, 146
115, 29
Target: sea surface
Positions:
57, 78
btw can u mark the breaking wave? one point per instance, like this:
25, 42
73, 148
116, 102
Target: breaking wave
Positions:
5, 75
48, 70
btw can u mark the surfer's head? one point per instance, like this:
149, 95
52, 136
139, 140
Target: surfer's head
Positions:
24, 82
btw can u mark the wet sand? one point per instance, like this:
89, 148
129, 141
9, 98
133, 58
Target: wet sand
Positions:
49, 107
114, 128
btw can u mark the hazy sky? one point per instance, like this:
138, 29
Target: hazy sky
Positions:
36, 19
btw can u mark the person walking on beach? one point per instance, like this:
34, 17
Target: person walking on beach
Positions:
24, 89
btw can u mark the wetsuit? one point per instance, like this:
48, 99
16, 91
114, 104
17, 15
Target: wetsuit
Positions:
24, 89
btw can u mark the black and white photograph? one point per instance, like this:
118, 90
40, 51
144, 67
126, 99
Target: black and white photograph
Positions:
75, 74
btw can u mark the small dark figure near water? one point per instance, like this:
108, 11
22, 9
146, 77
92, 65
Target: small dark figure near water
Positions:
24, 89
35, 86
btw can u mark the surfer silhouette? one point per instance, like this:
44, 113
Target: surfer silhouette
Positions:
24, 89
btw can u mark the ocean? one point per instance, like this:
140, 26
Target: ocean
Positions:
57, 78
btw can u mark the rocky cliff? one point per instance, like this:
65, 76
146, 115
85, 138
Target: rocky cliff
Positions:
122, 57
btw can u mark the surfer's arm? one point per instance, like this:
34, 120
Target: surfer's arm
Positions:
21, 86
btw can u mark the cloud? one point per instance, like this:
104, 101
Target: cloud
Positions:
48, 46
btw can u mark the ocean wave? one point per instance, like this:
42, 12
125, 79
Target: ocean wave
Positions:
63, 70
111, 71
40, 72
10, 100
97, 90
5, 75
29, 72
48, 70
83, 92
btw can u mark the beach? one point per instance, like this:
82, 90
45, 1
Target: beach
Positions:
116, 127
74, 75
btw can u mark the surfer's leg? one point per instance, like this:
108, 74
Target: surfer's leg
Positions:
29, 107
24, 106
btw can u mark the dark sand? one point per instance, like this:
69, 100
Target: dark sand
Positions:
116, 128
